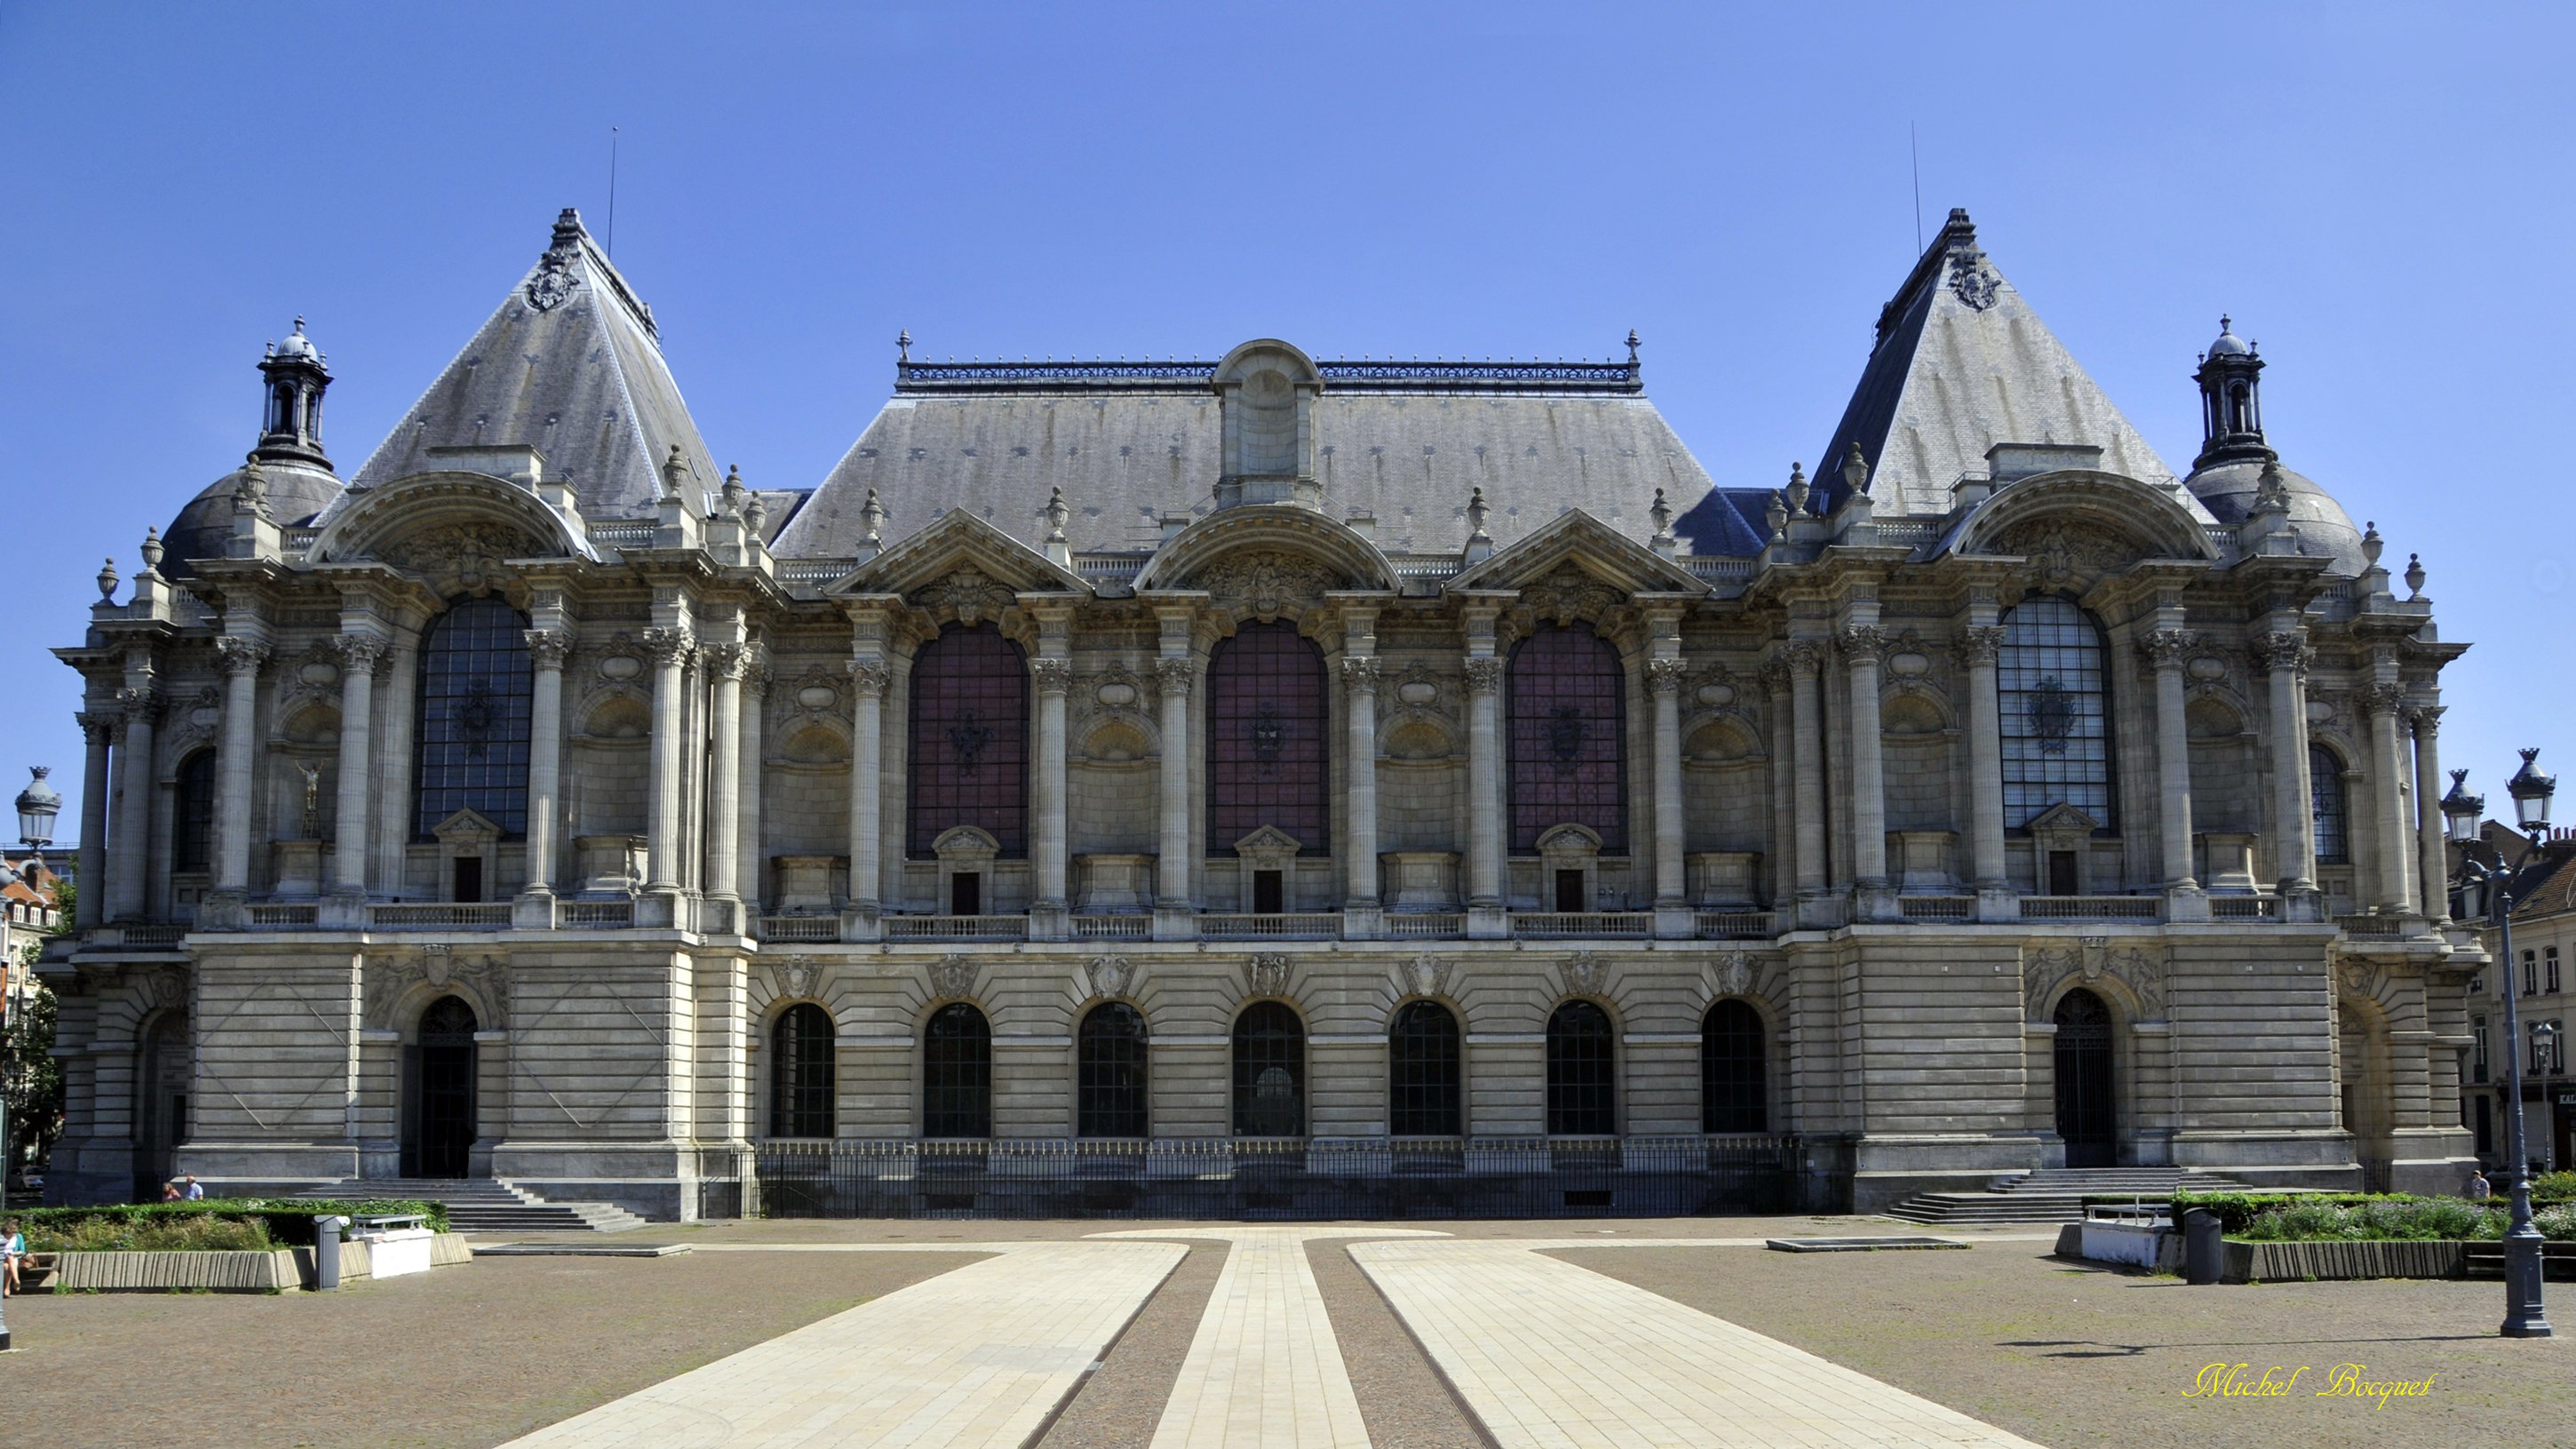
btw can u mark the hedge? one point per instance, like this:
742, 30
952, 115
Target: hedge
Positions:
289, 1221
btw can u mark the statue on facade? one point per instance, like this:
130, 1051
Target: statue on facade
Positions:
312, 801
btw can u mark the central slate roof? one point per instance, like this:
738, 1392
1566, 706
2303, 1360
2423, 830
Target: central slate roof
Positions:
1128, 443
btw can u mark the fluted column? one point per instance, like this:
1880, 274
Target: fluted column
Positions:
2433, 871
869, 681
2285, 655
132, 842
241, 659
1977, 649
1782, 856
1359, 682
90, 906
1806, 715
1173, 676
1863, 646
2385, 706
1485, 783
358, 654
725, 663
670, 648
755, 707
1664, 687
547, 649
389, 818
2167, 649
1053, 678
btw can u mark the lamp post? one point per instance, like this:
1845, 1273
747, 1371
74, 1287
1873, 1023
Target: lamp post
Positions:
2524, 1314
38, 804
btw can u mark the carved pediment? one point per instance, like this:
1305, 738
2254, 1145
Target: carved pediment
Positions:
1265, 584
1608, 557
961, 559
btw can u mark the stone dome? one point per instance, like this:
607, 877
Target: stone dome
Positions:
2228, 343
299, 345
296, 492
2325, 530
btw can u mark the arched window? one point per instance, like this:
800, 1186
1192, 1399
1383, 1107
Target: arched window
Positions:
801, 1073
1109, 1073
192, 815
1269, 1072
1422, 1072
2326, 806
475, 685
2087, 1114
439, 1069
1582, 1073
1569, 733
1267, 725
2056, 713
1733, 1094
970, 740
957, 1073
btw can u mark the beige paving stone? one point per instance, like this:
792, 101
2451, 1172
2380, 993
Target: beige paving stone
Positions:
1552, 1356
974, 1359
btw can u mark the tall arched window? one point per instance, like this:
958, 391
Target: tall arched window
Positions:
957, 1073
801, 1072
475, 685
1582, 1073
970, 739
2056, 713
1422, 1072
1569, 734
192, 815
1733, 1094
1269, 1072
2326, 806
1109, 1072
1267, 723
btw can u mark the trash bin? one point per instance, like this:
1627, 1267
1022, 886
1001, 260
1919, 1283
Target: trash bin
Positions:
326, 1251
2204, 1252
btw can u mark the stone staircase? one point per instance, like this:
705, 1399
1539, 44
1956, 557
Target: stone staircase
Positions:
487, 1205
2054, 1195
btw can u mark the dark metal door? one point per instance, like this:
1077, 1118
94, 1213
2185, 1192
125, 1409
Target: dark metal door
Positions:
2087, 1119
440, 1079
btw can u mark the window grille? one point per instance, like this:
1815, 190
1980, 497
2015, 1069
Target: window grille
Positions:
970, 740
476, 683
1582, 1090
1267, 723
1110, 1072
1569, 736
957, 1073
1422, 1072
192, 815
1732, 1082
1269, 1072
801, 1073
2056, 713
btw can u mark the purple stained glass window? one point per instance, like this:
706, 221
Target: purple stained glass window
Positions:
476, 687
970, 740
1267, 724
1569, 734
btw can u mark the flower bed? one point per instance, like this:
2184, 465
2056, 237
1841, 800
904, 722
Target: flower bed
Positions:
207, 1225
2366, 1218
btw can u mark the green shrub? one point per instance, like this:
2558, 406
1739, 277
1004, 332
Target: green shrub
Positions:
2367, 1217
279, 1222
2551, 1188
200, 1233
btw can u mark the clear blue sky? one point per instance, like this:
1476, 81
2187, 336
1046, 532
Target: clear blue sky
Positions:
2379, 194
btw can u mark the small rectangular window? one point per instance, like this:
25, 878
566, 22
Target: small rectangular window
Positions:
2530, 974
1269, 892
2061, 873
966, 893
1569, 890
2549, 975
469, 878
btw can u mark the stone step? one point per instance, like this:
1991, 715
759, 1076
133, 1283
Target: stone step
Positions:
488, 1205
2055, 1195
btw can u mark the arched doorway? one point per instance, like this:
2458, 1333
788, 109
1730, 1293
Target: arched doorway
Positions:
1269, 1072
1733, 1078
2367, 1090
2087, 1117
438, 1092
161, 1104
957, 1073
1582, 1072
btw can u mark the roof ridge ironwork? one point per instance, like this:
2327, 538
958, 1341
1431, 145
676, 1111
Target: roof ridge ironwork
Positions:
1439, 375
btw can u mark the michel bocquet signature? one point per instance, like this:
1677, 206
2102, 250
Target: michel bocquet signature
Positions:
2343, 1381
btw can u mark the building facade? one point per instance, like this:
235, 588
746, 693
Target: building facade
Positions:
2543, 887
1321, 751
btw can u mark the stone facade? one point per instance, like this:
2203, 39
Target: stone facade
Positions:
719, 694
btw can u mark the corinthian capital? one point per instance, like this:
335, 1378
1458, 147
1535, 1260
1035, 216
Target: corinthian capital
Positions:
240, 656
1863, 641
1801, 656
1484, 674
1172, 676
1359, 671
669, 646
2380, 699
726, 661
2284, 649
1664, 676
141, 703
1978, 646
358, 653
870, 679
1051, 676
2168, 648
2426, 718
549, 647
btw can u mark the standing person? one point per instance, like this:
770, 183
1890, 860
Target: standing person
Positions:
170, 1190
196, 1190
2479, 1188
13, 1246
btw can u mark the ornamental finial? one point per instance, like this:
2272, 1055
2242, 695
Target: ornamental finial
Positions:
152, 550
1797, 488
2371, 543
872, 516
1476, 516
1855, 469
903, 347
1662, 513
1632, 347
2415, 575
107, 581
1056, 515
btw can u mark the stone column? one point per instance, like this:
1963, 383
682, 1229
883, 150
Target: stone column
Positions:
1485, 788
2285, 655
1052, 677
1863, 646
90, 906
1977, 649
358, 654
389, 822
755, 708
1806, 713
1359, 681
1173, 676
132, 841
2167, 649
1781, 858
869, 681
241, 659
2433, 873
670, 647
547, 649
724, 774
1672, 896
2385, 705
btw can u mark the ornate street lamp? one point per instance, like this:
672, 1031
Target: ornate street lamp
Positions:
38, 804
2524, 1314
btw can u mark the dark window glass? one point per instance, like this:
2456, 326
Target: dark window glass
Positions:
1269, 1072
966, 893
1732, 1087
468, 882
192, 815
2086, 1116
1582, 1076
801, 1073
1269, 892
1569, 734
1110, 1073
1267, 726
1422, 1072
2056, 713
970, 739
2326, 806
957, 1074
475, 684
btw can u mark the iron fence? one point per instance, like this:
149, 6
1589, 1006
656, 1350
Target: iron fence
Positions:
1275, 1179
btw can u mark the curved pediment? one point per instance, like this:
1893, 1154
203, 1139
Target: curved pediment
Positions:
2085, 521
451, 527
1271, 557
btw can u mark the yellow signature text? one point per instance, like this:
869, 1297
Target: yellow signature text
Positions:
2281, 1381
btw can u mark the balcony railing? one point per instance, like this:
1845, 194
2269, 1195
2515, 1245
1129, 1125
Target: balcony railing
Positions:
1937, 908
2373, 928
596, 915
1113, 928
2092, 908
1733, 925
440, 916
1558, 925
957, 928
1269, 926
2245, 908
282, 915
800, 928
1426, 925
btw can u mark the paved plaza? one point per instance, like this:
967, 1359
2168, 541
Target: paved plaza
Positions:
1327, 1336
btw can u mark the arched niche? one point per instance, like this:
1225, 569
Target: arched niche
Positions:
2083, 522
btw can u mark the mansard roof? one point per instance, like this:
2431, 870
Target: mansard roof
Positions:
1962, 363
569, 364
1403, 442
